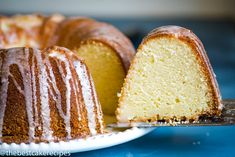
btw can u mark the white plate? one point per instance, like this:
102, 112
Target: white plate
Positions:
80, 145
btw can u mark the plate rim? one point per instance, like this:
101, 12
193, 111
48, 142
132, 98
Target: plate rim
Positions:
78, 145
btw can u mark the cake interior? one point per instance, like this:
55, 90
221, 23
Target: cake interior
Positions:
165, 81
107, 71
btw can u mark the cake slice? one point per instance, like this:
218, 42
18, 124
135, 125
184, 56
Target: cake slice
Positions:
169, 79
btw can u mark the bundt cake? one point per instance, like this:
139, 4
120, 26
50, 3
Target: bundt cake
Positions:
170, 79
106, 51
46, 95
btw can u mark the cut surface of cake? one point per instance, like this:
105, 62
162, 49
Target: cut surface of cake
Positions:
46, 95
108, 73
169, 79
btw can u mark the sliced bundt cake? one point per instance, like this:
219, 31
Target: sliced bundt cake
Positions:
46, 96
169, 79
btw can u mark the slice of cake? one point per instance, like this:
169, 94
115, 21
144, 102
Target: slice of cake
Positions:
169, 79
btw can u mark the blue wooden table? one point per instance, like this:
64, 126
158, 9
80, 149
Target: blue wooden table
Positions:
218, 37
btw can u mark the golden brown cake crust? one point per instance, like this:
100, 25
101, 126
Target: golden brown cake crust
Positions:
54, 96
87, 30
195, 43
48, 29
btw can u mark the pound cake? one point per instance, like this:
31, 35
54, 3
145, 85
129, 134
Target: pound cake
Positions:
46, 95
106, 51
170, 79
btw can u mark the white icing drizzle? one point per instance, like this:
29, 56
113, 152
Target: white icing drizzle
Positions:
98, 106
66, 79
48, 88
77, 102
44, 97
87, 94
3, 91
20, 58
16, 84
34, 89
26, 77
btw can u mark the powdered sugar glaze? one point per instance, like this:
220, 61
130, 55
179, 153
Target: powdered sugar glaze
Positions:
28, 60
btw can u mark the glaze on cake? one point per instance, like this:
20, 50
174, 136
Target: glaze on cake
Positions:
20, 31
46, 95
169, 79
